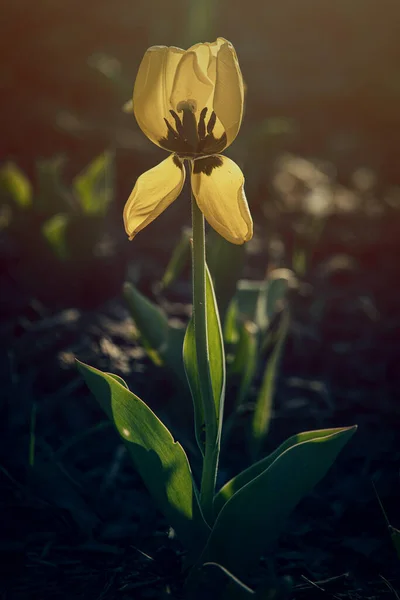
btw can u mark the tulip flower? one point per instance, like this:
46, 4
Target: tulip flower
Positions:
190, 103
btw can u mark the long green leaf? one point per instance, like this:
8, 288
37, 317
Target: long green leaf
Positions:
55, 232
279, 281
151, 322
180, 257
236, 483
252, 519
160, 461
248, 296
53, 197
94, 186
217, 364
260, 300
225, 261
245, 362
263, 407
162, 343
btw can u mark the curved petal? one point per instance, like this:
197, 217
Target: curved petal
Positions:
153, 87
191, 81
216, 46
154, 191
203, 53
218, 187
229, 91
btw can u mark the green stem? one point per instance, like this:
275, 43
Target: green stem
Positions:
211, 453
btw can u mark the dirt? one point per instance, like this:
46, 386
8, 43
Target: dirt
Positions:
78, 522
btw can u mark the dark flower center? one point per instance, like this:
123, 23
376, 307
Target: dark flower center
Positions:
189, 137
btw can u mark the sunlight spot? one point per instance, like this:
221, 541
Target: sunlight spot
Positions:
126, 432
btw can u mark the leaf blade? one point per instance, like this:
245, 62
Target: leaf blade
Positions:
94, 185
160, 460
242, 531
263, 406
217, 364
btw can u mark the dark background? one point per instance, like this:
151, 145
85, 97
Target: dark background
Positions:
321, 128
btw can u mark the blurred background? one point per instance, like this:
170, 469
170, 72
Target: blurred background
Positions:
319, 150
322, 80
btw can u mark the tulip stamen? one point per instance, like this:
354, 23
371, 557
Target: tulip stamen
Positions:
171, 130
211, 122
178, 124
201, 128
192, 136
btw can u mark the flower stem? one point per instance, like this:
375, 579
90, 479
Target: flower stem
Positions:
211, 451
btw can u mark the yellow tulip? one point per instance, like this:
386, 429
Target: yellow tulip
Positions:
191, 104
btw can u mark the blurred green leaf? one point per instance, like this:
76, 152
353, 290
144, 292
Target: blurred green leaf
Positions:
162, 342
151, 322
160, 461
300, 261
254, 516
16, 185
94, 186
279, 281
247, 296
217, 364
225, 261
52, 197
259, 301
263, 406
245, 362
55, 232
180, 257
231, 327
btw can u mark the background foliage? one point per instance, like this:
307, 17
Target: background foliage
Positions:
319, 149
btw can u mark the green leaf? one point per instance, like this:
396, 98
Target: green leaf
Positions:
150, 320
243, 478
53, 197
279, 281
180, 257
259, 301
55, 232
162, 342
94, 186
245, 361
247, 295
119, 379
217, 364
160, 461
16, 185
263, 406
231, 327
225, 261
254, 516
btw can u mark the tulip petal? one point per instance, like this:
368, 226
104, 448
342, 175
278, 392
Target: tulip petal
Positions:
191, 81
154, 191
218, 187
229, 91
153, 88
